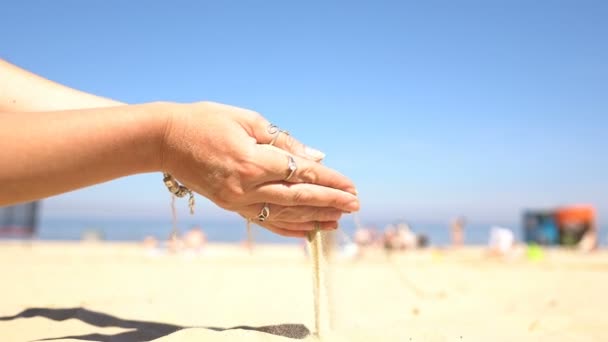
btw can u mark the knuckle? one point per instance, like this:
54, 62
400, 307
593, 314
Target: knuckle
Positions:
254, 118
336, 202
235, 192
248, 169
302, 196
257, 117
220, 202
229, 197
309, 176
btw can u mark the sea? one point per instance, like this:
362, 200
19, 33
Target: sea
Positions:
234, 230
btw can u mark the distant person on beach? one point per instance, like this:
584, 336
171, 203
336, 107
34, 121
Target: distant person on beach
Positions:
589, 241
174, 243
502, 241
406, 237
399, 237
195, 239
56, 139
457, 231
389, 238
150, 243
364, 237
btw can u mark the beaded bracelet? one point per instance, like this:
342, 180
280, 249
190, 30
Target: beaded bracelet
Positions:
179, 190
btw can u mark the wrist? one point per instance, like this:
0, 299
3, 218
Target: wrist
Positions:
158, 123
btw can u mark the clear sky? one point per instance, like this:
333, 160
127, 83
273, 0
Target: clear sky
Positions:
433, 108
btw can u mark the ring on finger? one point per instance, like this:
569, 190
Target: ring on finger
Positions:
264, 213
275, 131
291, 167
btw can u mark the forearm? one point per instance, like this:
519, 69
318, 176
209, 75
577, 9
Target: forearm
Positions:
47, 153
23, 91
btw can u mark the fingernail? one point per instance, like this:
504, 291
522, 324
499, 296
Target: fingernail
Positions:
315, 154
346, 212
353, 206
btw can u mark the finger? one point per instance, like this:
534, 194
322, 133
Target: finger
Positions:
285, 232
306, 226
277, 165
267, 133
293, 214
301, 194
287, 142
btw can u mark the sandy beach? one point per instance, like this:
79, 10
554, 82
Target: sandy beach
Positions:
120, 292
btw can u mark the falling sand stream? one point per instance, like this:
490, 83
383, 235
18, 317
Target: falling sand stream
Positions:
319, 272
319, 282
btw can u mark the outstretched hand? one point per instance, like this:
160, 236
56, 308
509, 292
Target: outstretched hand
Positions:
224, 153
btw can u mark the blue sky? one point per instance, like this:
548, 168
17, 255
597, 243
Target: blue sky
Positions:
434, 109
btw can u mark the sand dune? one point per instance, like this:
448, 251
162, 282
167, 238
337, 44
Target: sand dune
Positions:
118, 292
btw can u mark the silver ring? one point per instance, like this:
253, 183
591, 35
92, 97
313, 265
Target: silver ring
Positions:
263, 215
275, 131
272, 129
291, 166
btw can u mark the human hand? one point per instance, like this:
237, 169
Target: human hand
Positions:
223, 153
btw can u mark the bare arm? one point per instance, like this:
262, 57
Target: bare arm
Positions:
39, 153
55, 139
23, 91
46, 153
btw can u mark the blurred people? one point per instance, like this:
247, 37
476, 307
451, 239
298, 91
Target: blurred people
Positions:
150, 242
151, 246
349, 248
406, 238
195, 240
502, 241
174, 243
423, 240
589, 241
457, 231
363, 240
389, 238
364, 237
399, 238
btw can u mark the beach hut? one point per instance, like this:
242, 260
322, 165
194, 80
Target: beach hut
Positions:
19, 221
565, 226
574, 223
540, 227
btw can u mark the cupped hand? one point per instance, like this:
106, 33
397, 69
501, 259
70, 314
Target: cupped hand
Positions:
223, 153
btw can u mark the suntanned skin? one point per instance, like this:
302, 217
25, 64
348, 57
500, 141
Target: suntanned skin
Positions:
23, 91
56, 139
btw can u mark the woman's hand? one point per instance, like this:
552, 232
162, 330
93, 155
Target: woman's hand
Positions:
67, 139
223, 153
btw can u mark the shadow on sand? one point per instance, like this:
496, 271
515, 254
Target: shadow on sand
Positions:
140, 330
